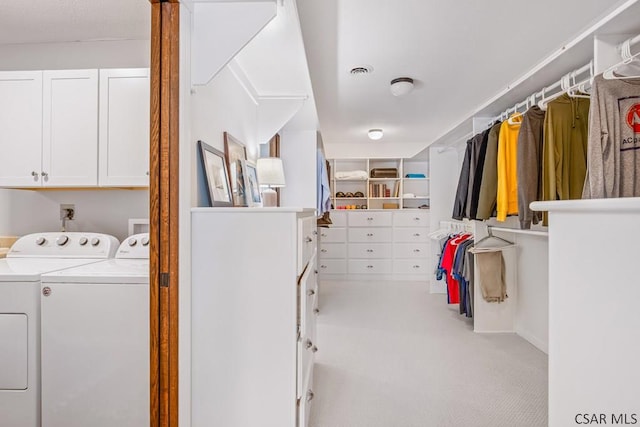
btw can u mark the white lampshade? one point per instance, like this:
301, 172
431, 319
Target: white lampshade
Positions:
270, 172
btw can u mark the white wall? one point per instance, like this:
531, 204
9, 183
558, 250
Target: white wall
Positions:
299, 157
24, 211
106, 211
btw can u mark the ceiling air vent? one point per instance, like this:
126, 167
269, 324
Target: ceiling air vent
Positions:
361, 70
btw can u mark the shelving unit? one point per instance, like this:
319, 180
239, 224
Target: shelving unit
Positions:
381, 193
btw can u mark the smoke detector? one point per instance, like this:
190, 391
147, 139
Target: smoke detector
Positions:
401, 86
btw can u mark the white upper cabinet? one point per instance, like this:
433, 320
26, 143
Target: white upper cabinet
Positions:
20, 128
70, 128
124, 127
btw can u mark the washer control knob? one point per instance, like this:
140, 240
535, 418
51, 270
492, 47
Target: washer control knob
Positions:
41, 241
132, 242
95, 241
62, 240
83, 241
144, 241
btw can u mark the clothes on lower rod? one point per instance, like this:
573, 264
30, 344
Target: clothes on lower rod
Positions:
491, 271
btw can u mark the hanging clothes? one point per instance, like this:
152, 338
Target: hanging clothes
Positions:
460, 201
448, 257
458, 273
614, 139
529, 159
507, 193
323, 190
564, 165
478, 154
489, 182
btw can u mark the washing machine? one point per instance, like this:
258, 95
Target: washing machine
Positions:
20, 274
95, 341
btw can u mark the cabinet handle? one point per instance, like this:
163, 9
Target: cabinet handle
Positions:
323, 235
308, 344
45, 174
416, 250
369, 219
316, 311
311, 292
34, 173
370, 251
417, 218
308, 239
323, 266
310, 395
369, 266
369, 234
416, 266
323, 251
315, 232
147, 173
417, 235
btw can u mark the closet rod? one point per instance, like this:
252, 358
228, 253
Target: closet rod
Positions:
449, 146
518, 231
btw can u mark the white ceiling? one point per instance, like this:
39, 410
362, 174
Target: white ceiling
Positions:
48, 21
461, 53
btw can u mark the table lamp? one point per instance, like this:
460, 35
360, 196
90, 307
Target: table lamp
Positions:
270, 174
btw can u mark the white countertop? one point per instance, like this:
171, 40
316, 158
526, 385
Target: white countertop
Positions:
623, 204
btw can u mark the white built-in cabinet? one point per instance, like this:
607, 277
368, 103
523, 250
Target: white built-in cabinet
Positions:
124, 127
50, 123
254, 303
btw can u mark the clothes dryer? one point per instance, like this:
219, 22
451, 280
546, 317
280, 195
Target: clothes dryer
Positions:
95, 341
20, 273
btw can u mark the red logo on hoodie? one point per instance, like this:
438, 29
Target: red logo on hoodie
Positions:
633, 118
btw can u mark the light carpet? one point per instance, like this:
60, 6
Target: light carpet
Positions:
393, 355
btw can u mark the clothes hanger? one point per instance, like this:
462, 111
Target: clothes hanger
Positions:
627, 60
476, 248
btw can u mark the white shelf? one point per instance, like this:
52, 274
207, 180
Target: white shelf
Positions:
519, 231
383, 179
415, 179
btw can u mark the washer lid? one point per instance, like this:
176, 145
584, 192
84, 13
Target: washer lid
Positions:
31, 269
124, 271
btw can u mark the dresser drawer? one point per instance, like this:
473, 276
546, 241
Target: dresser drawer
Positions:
332, 266
411, 250
406, 234
307, 242
370, 250
414, 218
332, 234
333, 250
370, 219
338, 218
369, 266
374, 235
411, 266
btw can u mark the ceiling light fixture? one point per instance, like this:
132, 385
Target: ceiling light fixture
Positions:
401, 86
375, 134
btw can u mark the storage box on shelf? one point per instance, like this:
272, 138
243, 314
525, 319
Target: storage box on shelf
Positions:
376, 245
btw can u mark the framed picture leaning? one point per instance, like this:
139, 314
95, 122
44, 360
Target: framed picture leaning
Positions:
216, 175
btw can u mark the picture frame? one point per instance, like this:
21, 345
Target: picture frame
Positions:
235, 152
216, 175
252, 186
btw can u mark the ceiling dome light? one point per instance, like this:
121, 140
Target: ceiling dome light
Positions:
401, 86
375, 134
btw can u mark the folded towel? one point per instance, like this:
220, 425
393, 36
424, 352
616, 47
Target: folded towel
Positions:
357, 174
415, 175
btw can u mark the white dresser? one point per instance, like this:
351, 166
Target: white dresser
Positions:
254, 301
375, 245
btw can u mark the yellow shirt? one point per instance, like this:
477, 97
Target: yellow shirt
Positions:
507, 197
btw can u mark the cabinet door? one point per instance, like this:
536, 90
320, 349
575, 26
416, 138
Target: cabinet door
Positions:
20, 128
70, 128
124, 127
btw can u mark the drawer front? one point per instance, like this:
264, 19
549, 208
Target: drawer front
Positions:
306, 400
416, 235
370, 250
411, 250
307, 242
333, 250
411, 266
415, 218
373, 235
338, 218
370, 219
369, 266
308, 301
333, 235
332, 266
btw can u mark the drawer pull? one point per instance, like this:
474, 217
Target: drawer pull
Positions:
370, 251
416, 266
308, 239
369, 219
323, 251
369, 234
416, 235
316, 311
416, 219
323, 266
416, 250
310, 395
369, 266
315, 232
311, 292
323, 235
